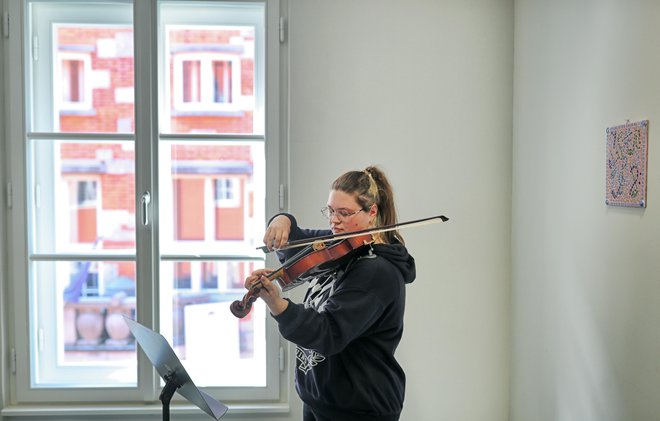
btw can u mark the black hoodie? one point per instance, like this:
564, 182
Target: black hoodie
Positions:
347, 331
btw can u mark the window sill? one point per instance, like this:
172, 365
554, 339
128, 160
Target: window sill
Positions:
83, 412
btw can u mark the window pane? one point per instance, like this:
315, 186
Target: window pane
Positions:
80, 208
83, 78
79, 337
214, 75
216, 348
211, 197
84, 198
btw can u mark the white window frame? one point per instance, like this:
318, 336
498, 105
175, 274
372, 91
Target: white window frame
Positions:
19, 51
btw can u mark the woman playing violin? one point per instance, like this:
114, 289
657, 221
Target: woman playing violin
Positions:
351, 320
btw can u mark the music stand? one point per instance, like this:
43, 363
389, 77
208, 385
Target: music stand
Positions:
169, 367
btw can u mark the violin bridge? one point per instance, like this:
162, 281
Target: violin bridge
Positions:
318, 245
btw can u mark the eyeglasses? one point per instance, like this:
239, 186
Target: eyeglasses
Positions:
341, 214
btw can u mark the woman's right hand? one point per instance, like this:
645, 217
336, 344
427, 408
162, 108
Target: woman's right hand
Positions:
277, 233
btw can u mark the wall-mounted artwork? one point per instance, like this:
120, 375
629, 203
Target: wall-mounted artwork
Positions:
627, 147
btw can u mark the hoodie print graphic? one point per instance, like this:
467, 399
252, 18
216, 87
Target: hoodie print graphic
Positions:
307, 359
319, 291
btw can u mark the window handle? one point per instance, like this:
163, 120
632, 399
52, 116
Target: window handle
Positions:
146, 200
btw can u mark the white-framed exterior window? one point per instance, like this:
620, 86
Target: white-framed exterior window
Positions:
214, 75
72, 80
86, 193
227, 192
84, 208
206, 82
45, 262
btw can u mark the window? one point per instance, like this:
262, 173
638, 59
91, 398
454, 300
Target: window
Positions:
74, 86
213, 71
84, 210
227, 192
86, 193
206, 82
90, 153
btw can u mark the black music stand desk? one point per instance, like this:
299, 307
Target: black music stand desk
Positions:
169, 367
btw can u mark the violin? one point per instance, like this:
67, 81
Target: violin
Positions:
314, 260
320, 255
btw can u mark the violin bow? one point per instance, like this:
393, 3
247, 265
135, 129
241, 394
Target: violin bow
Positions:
385, 228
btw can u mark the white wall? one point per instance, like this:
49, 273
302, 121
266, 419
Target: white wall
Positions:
424, 89
586, 283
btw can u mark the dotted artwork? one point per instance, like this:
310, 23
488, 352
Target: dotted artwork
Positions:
627, 147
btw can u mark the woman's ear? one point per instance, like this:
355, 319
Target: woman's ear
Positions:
373, 211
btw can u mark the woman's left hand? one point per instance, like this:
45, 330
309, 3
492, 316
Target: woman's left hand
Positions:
269, 291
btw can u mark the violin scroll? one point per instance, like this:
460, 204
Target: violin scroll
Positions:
241, 308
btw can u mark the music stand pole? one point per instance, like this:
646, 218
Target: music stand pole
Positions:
168, 391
